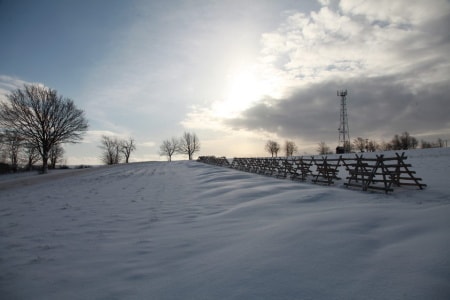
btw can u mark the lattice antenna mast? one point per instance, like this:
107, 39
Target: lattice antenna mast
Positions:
344, 135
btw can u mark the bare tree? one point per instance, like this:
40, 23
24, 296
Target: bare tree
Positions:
43, 118
169, 147
408, 141
360, 144
384, 146
372, 146
13, 143
290, 148
111, 150
426, 144
404, 142
414, 143
56, 155
189, 144
272, 147
2, 147
323, 149
440, 143
31, 155
396, 143
127, 146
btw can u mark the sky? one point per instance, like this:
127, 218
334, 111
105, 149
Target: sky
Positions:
236, 73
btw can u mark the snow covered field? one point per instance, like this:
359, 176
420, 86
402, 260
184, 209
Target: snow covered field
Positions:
187, 230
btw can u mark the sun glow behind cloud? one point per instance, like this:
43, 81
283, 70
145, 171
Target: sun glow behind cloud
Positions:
244, 87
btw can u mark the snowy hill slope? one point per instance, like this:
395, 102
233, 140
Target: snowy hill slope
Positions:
186, 230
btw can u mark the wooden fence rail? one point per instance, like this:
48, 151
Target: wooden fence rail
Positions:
378, 173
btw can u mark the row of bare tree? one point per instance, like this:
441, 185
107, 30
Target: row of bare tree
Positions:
188, 145
273, 147
17, 153
35, 122
402, 141
115, 150
439, 143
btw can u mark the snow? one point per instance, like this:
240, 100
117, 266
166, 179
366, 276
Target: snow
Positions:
188, 230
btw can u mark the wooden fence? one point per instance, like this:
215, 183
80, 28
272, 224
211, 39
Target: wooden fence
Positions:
212, 160
378, 173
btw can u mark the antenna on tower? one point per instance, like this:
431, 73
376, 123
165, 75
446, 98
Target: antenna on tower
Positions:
344, 135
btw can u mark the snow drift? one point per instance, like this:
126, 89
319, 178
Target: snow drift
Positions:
187, 230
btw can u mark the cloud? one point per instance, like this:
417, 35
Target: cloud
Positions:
147, 144
313, 113
396, 12
95, 136
9, 84
331, 43
393, 61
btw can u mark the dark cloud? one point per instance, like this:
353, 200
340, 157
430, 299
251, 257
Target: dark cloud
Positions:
377, 108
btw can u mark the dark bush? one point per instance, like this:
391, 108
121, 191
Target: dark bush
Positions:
5, 168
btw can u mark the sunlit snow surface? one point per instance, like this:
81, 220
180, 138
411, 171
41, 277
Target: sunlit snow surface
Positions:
187, 230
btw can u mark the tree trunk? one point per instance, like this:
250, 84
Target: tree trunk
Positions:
45, 163
29, 164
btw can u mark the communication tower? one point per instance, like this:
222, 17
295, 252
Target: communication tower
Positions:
344, 135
